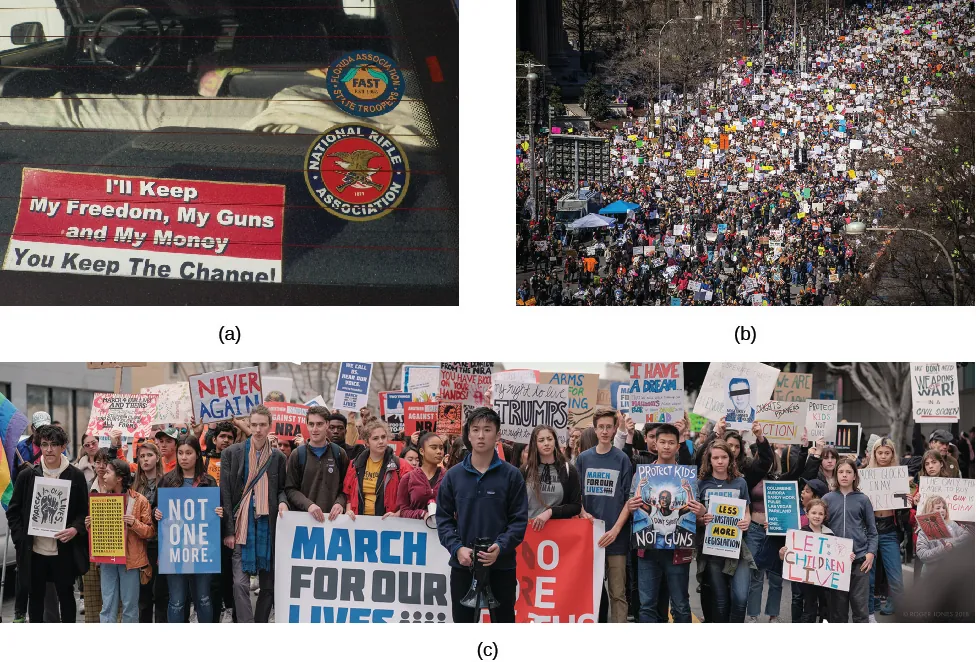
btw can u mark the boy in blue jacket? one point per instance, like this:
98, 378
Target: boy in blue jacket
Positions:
482, 497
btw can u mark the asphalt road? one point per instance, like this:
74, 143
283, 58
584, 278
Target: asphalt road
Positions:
7, 607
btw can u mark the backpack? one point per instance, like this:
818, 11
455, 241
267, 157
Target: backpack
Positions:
336, 454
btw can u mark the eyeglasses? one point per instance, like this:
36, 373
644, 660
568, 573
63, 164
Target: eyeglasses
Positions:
49, 445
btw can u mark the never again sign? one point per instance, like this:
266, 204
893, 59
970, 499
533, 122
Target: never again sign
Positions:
189, 533
221, 396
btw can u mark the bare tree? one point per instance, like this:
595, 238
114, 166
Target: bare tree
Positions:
887, 388
582, 18
931, 191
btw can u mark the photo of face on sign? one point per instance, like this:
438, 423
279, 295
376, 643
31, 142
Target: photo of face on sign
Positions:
740, 403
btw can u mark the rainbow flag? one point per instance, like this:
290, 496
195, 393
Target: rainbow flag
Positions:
12, 425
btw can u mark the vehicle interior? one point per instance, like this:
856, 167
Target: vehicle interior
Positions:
233, 91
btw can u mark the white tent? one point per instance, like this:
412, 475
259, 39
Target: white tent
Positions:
591, 221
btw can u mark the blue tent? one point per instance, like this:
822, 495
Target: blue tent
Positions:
619, 207
591, 221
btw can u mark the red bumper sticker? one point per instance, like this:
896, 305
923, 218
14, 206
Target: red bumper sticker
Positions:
116, 225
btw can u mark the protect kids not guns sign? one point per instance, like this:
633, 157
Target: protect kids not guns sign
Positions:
174, 229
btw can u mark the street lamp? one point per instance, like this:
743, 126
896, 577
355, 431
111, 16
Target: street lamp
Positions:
858, 228
660, 36
532, 78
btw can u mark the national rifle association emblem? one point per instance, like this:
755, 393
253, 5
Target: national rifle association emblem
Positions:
365, 83
357, 172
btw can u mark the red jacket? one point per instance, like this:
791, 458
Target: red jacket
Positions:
415, 493
392, 470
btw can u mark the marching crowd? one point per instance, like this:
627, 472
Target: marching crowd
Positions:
744, 195
348, 466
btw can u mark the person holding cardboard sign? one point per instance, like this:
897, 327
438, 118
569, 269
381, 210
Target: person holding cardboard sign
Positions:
122, 582
189, 472
61, 558
880, 456
727, 578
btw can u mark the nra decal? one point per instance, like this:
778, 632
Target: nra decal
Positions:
365, 83
357, 172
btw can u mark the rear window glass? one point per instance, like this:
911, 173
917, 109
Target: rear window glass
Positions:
254, 144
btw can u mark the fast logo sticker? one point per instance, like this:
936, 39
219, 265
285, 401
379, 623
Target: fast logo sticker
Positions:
357, 172
365, 83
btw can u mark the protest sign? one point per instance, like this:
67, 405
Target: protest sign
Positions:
664, 520
277, 389
370, 570
106, 535
887, 487
391, 409
782, 422
523, 406
793, 386
933, 525
560, 572
518, 375
465, 382
723, 537
173, 405
132, 413
959, 495
821, 420
616, 390
189, 533
421, 381
733, 390
419, 417
49, 507
317, 401
935, 393
582, 394
97, 229
288, 420
782, 499
448, 417
697, 422
352, 386
706, 498
657, 392
818, 559
848, 438
225, 394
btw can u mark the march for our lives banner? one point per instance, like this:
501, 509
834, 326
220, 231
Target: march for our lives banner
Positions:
189, 533
664, 519
782, 506
370, 570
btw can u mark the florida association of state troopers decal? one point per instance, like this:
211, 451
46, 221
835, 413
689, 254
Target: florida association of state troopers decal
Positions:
365, 83
357, 172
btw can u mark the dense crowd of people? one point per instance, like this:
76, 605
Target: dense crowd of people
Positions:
745, 192
349, 467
